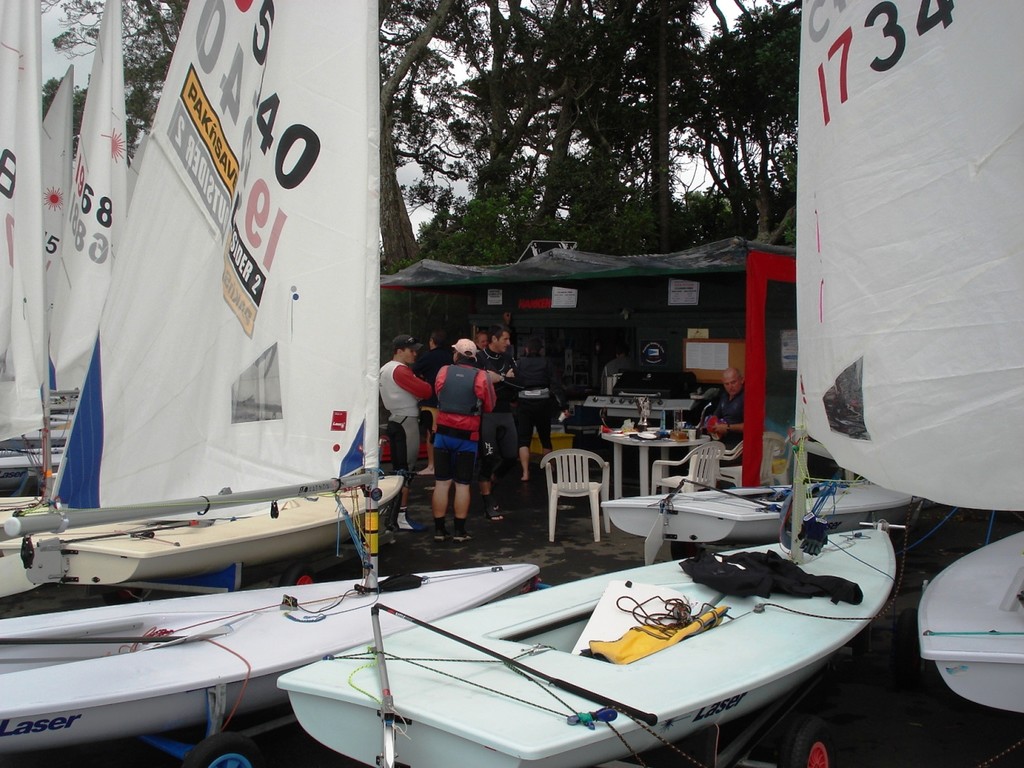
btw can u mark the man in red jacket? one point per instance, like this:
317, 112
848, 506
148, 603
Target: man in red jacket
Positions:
464, 392
401, 391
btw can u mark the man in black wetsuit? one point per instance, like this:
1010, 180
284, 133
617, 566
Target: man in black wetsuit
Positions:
498, 437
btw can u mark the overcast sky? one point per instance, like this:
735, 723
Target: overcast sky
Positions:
56, 64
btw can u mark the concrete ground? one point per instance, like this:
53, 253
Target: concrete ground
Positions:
874, 723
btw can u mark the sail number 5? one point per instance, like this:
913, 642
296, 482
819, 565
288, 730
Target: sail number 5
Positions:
884, 19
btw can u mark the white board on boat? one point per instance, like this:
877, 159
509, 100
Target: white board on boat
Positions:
613, 616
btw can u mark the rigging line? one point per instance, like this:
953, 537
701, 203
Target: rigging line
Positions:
760, 608
245, 681
973, 633
145, 532
846, 550
727, 493
647, 717
264, 609
936, 527
462, 574
463, 680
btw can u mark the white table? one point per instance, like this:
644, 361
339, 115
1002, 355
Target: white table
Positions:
617, 439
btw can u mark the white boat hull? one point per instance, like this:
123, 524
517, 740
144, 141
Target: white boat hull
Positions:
715, 517
117, 554
971, 620
63, 694
16, 466
483, 714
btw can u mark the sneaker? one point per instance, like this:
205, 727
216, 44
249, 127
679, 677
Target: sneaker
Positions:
460, 538
441, 537
405, 524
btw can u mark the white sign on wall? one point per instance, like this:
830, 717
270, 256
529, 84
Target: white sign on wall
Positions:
563, 298
683, 292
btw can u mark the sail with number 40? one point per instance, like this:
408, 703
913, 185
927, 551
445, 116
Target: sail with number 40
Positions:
238, 346
911, 244
22, 342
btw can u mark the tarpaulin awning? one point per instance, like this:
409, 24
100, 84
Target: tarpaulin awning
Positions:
564, 265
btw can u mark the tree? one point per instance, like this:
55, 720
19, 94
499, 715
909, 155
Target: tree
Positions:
599, 121
150, 32
745, 125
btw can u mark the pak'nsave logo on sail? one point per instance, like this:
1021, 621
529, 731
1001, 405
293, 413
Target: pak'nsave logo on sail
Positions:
206, 157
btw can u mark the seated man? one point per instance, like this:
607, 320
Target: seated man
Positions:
726, 422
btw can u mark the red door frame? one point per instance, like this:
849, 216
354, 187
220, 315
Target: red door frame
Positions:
761, 267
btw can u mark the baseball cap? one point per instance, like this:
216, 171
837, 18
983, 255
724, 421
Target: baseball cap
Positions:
465, 348
403, 340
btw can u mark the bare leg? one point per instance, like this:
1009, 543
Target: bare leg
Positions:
524, 462
462, 497
439, 500
430, 456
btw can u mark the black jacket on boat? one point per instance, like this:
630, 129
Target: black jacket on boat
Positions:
760, 573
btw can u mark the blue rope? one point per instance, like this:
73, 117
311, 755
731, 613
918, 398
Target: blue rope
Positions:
933, 530
991, 524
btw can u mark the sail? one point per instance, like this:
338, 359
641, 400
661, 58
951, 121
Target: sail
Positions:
96, 212
56, 155
22, 341
239, 343
910, 244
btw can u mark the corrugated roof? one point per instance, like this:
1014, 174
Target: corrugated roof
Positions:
564, 265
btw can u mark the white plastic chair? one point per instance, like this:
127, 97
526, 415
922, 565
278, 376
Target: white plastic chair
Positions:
572, 477
773, 447
703, 471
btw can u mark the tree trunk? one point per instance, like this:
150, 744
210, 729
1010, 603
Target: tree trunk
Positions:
397, 238
664, 159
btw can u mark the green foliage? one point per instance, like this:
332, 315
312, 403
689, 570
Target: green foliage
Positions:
532, 119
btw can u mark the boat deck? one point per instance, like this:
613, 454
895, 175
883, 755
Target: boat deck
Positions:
873, 723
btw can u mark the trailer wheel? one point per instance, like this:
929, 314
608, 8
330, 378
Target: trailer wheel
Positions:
297, 574
225, 750
125, 596
906, 651
807, 743
681, 550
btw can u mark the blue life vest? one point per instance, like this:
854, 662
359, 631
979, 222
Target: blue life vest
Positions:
458, 393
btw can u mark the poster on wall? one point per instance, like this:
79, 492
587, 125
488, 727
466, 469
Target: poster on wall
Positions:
494, 297
683, 293
789, 350
563, 298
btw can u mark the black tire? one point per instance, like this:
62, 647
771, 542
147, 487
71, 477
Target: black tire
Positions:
125, 596
680, 550
807, 743
297, 573
906, 651
225, 750
861, 642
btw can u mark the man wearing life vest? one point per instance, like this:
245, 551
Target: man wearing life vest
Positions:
401, 392
464, 392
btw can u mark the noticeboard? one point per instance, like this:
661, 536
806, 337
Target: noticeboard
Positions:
707, 358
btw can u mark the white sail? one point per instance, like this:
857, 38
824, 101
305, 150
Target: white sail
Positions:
239, 343
22, 342
56, 155
910, 244
97, 208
